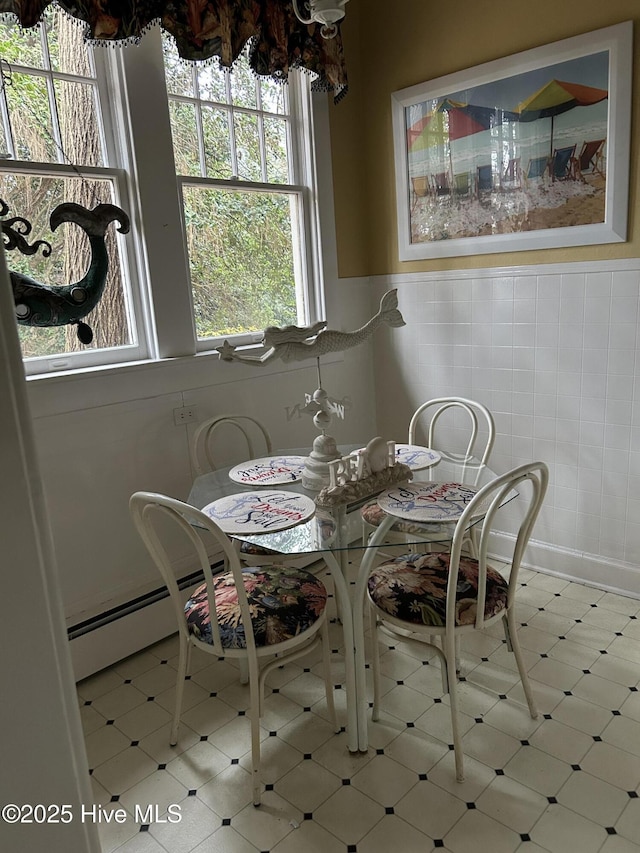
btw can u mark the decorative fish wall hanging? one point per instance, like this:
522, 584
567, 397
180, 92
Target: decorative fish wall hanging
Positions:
296, 343
49, 305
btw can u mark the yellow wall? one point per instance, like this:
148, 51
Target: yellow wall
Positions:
389, 46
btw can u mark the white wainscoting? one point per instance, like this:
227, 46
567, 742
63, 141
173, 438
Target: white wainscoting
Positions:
553, 350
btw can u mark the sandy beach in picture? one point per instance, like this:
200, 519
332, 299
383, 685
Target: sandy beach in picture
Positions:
554, 205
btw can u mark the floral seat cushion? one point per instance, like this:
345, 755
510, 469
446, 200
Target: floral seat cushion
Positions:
256, 550
283, 602
413, 588
373, 514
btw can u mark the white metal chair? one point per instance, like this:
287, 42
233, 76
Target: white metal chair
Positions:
471, 432
250, 614
446, 595
225, 439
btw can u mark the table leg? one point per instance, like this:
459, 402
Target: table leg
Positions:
358, 629
344, 602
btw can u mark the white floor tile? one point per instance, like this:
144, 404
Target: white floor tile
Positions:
384, 780
512, 804
430, 809
565, 781
495, 836
560, 830
349, 814
591, 797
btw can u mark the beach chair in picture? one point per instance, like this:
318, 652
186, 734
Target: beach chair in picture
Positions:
462, 184
561, 167
420, 188
590, 160
442, 184
536, 169
511, 175
484, 180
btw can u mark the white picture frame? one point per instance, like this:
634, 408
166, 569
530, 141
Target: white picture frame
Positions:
470, 151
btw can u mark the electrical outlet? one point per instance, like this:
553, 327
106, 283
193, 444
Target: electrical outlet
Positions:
185, 415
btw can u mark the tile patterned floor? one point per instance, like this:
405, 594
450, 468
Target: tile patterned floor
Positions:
568, 781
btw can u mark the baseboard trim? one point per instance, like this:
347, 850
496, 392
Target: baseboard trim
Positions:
577, 566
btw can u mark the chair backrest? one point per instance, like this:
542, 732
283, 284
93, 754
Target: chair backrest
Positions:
226, 439
156, 518
588, 154
495, 502
442, 183
472, 414
561, 163
511, 172
537, 167
484, 178
421, 185
462, 183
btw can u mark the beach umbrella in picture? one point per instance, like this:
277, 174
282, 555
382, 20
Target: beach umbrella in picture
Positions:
451, 120
557, 97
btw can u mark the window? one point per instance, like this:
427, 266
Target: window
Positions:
242, 189
238, 154
55, 149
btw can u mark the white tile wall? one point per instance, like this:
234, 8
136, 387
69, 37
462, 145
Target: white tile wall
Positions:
553, 350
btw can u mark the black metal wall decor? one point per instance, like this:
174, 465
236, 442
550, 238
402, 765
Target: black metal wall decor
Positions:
48, 305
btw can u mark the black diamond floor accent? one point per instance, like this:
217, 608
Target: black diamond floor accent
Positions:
379, 751
551, 800
499, 772
471, 805
524, 836
204, 737
144, 827
192, 792
114, 798
422, 777
346, 781
235, 761
308, 816
389, 810
611, 830
438, 842
633, 794
226, 821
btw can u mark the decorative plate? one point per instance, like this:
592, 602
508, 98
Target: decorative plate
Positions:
428, 501
260, 512
269, 471
416, 457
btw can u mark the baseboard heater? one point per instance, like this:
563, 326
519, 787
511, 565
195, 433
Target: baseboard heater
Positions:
135, 604
110, 636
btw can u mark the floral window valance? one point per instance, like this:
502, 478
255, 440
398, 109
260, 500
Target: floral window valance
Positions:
204, 29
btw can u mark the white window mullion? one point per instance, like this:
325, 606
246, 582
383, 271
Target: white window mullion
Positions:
159, 202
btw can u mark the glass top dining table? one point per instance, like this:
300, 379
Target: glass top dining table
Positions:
334, 531
339, 528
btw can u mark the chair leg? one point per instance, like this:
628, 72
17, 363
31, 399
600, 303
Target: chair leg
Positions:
513, 643
244, 670
375, 663
449, 643
183, 665
326, 669
254, 687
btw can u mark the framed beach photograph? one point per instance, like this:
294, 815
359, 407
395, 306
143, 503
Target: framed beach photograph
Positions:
530, 151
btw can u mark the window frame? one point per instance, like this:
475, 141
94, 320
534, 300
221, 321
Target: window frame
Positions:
135, 115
